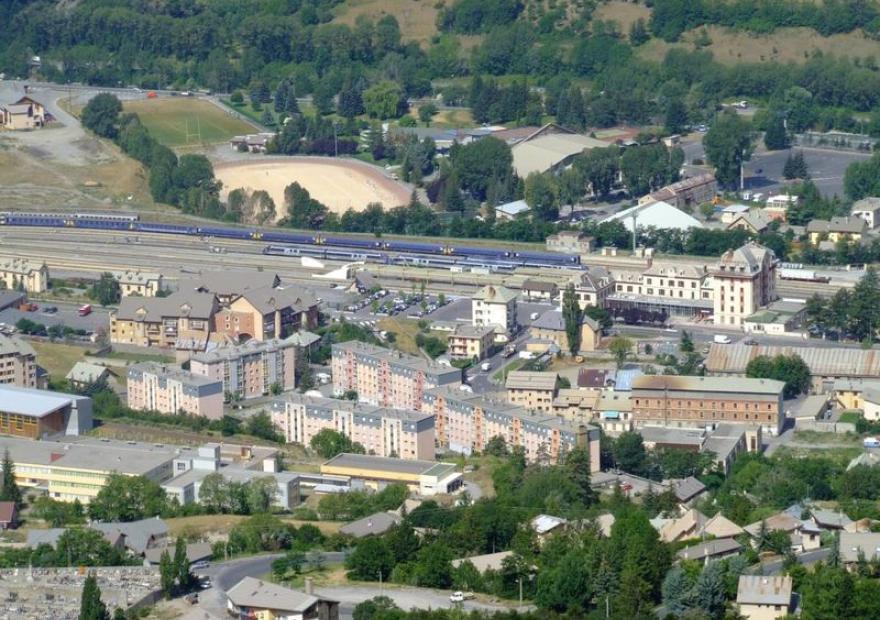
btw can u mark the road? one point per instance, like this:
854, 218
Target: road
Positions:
807, 559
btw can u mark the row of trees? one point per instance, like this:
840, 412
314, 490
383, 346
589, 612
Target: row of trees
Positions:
849, 313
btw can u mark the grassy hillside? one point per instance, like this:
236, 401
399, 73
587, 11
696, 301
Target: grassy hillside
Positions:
417, 18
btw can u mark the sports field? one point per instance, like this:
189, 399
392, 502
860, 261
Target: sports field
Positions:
182, 121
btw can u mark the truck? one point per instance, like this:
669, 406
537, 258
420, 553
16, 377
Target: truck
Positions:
84, 310
721, 339
871, 442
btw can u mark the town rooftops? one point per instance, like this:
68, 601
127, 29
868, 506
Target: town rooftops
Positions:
677, 270
594, 377
546, 523
871, 203
528, 380
412, 362
669, 383
387, 464
135, 277
194, 305
10, 345
21, 266
251, 347
484, 562
838, 363
258, 594
530, 284
268, 299
687, 488
720, 526
552, 321
475, 332
542, 152
33, 403
176, 374
763, 590
745, 260
138, 534
364, 409
495, 294
851, 543
710, 549
371, 525
736, 209
846, 224
227, 283
660, 215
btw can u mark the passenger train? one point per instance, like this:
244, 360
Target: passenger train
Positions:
326, 245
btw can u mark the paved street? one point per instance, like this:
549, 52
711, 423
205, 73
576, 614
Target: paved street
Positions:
67, 315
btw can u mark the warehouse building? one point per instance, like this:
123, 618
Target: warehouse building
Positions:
35, 414
426, 478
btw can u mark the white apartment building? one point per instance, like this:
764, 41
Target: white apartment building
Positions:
743, 281
495, 306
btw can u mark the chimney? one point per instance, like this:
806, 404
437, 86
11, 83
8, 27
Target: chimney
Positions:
309, 586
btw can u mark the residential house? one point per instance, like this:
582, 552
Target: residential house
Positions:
550, 326
871, 404
539, 290
138, 535
254, 598
755, 222
24, 274
139, 283
687, 489
18, 363
546, 525
762, 597
688, 525
26, 113
804, 533
482, 563
595, 378
847, 393
869, 210
743, 281
253, 143
846, 228
267, 313
855, 546
570, 242
686, 194
532, 390
156, 387
471, 342
710, 550
495, 306
375, 524
732, 212
229, 285
830, 520
85, 374
720, 526
777, 206
8, 516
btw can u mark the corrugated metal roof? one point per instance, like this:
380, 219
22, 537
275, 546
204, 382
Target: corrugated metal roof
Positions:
707, 384
825, 362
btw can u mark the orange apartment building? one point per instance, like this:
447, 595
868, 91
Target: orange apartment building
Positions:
698, 402
267, 313
466, 422
381, 431
386, 378
155, 387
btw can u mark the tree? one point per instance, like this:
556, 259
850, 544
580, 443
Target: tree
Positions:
709, 592
676, 116
106, 290
676, 590
101, 115
370, 559
776, 138
329, 443
181, 564
303, 210
578, 465
375, 608
10, 492
621, 348
480, 164
91, 606
291, 562
541, 195
790, 369
629, 452
496, 446
384, 100
728, 143
572, 316
261, 493
427, 112
167, 574
795, 167
127, 498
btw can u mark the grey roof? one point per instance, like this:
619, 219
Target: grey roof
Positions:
513, 208
484, 562
687, 488
177, 374
152, 309
317, 404
495, 294
865, 459
851, 543
845, 224
830, 519
673, 436
412, 362
10, 345
826, 362
268, 299
866, 204
592, 279
86, 372
552, 321
466, 330
230, 282
258, 594
33, 403
10, 298
251, 347
712, 548
199, 613
529, 380
544, 151
195, 552
50, 537
385, 464
670, 383
539, 285
764, 590
21, 266
750, 256
371, 525
139, 535
136, 277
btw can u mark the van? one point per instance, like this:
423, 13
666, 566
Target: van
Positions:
485, 366
533, 316
721, 339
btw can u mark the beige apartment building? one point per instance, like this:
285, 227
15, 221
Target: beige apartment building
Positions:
18, 363
138, 283
846, 228
250, 370
592, 287
24, 274
743, 281
495, 306
550, 327
183, 320
155, 387
466, 422
668, 281
534, 391
761, 597
404, 434
570, 242
471, 342
386, 378
697, 402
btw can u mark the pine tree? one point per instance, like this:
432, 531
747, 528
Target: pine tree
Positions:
571, 315
776, 138
10, 491
166, 574
181, 564
280, 99
292, 104
91, 606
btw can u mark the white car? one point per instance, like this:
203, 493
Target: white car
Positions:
457, 597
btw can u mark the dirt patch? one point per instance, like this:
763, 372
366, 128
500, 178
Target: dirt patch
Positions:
624, 13
339, 184
417, 18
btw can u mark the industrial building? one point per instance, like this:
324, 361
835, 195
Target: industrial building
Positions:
423, 477
26, 412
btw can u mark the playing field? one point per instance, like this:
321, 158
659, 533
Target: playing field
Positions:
182, 121
340, 184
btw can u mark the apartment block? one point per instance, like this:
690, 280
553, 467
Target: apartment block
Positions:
23, 274
743, 281
30, 413
381, 431
183, 320
471, 342
693, 402
266, 313
18, 363
138, 283
466, 422
251, 369
593, 286
495, 306
156, 387
386, 378
534, 391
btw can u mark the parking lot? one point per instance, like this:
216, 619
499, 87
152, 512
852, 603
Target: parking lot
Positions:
67, 314
826, 167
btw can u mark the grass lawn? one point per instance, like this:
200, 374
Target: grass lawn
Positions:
58, 358
139, 357
181, 121
200, 525
405, 331
851, 416
514, 365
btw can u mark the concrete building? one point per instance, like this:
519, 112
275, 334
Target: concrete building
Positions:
228, 285
534, 391
26, 412
550, 326
743, 281
660, 215
495, 306
254, 598
466, 422
77, 468
386, 378
471, 342
869, 210
24, 114
760, 597
570, 242
425, 478
138, 283
404, 434
252, 369
592, 287
183, 321
847, 228
778, 318
156, 387
24, 274
686, 194
18, 363
663, 400
680, 281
